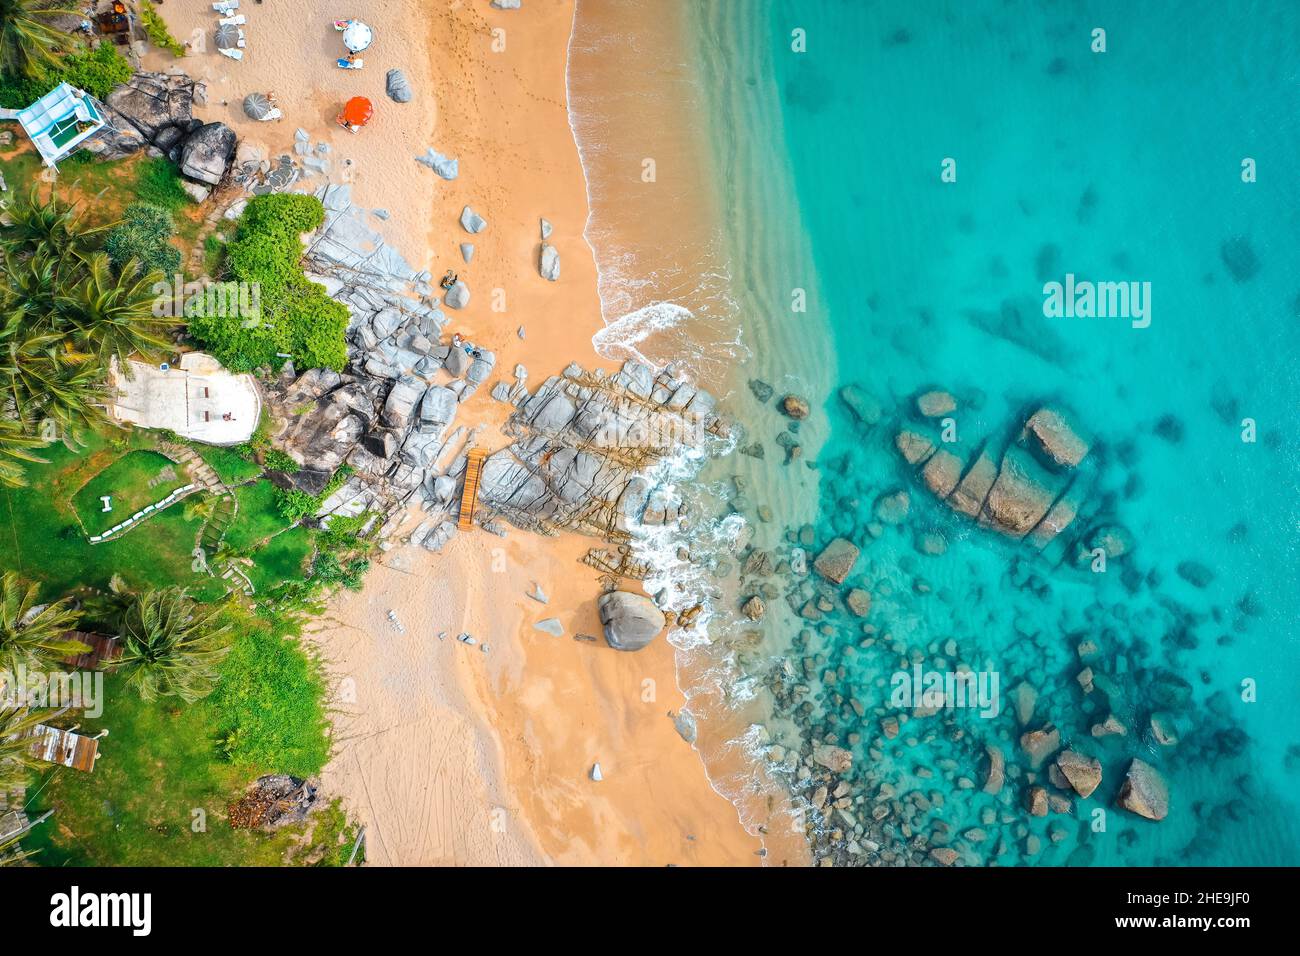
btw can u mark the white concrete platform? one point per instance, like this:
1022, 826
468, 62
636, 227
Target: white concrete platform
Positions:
199, 399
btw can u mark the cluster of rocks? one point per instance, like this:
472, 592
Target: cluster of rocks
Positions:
885, 785
155, 112
1033, 484
582, 441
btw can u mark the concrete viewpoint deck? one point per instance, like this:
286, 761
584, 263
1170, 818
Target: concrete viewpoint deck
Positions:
197, 399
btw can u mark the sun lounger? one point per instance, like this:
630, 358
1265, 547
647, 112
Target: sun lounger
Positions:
345, 65
238, 21
233, 54
226, 7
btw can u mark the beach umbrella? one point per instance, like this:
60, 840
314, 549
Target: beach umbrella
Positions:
358, 111
357, 36
227, 36
258, 106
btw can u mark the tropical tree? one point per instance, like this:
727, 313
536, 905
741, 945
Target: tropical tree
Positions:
171, 645
112, 315
16, 759
28, 42
55, 227
33, 634
15, 447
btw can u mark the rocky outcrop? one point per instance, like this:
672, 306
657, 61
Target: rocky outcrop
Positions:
157, 110
1144, 792
631, 621
1035, 482
205, 154
580, 441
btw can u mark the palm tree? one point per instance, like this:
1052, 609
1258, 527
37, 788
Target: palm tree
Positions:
16, 760
170, 644
40, 380
55, 227
27, 42
15, 447
114, 316
33, 634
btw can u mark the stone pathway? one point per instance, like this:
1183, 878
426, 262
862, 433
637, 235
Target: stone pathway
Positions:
208, 480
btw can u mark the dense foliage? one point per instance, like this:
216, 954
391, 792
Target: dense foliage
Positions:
144, 235
98, 71
297, 317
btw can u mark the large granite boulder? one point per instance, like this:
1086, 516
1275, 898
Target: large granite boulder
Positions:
152, 101
437, 409
324, 436
206, 153
1051, 434
1020, 496
401, 402
836, 560
1083, 773
548, 263
631, 620
1144, 792
398, 86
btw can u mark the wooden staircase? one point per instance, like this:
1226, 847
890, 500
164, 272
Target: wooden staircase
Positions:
469, 493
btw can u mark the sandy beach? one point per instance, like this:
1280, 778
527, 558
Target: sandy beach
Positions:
447, 753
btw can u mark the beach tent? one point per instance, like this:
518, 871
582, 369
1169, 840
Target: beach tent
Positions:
358, 111
60, 121
357, 36
228, 36
258, 106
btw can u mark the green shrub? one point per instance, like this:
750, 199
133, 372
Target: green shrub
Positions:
156, 28
144, 235
276, 460
294, 505
98, 71
297, 317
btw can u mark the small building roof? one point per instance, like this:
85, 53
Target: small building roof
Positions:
60, 120
199, 399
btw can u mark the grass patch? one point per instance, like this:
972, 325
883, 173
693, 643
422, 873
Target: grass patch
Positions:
258, 519
230, 466
42, 538
159, 182
161, 761
137, 479
283, 558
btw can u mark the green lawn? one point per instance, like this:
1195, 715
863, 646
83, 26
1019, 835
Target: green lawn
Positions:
281, 559
258, 519
42, 538
164, 760
136, 480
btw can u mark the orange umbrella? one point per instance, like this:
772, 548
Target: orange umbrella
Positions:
358, 111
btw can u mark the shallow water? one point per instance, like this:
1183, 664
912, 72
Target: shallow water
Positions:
1117, 166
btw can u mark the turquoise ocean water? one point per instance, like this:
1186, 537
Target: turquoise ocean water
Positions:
1123, 165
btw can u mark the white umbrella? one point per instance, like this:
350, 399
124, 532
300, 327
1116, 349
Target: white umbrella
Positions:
357, 36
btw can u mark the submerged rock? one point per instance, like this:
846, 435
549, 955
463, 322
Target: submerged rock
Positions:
1082, 773
836, 561
935, 404
1055, 438
795, 406
835, 759
1144, 792
865, 408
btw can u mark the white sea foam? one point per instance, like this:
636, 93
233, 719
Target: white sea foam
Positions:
618, 341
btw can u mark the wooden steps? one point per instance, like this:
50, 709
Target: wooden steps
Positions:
469, 494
